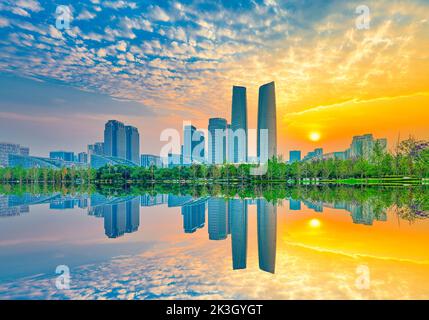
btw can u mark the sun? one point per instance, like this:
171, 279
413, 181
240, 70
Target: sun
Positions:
314, 223
314, 136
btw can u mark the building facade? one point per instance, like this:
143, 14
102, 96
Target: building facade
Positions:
62, 155
267, 123
11, 148
217, 140
238, 139
149, 160
114, 139
132, 144
294, 156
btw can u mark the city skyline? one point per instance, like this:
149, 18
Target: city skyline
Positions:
153, 65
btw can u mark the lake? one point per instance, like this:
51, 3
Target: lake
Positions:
214, 242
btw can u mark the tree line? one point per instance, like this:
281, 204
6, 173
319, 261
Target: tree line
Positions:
410, 158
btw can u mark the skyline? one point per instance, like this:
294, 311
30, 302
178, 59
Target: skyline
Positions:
150, 66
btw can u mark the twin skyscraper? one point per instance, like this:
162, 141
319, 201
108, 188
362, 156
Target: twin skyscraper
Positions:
237, 133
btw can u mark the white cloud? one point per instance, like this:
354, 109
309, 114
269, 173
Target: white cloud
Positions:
122, 46
55, 33
31, 5
86, 15
4, 22
102, 53
159, 14
20, 12
119, 4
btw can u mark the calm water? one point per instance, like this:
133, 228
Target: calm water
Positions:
275, 243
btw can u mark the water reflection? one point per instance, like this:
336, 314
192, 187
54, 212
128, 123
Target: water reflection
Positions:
227, 214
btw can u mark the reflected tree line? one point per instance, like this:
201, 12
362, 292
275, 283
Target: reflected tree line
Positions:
410, 203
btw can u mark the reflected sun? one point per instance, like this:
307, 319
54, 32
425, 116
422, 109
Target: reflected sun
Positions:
314, 223
314, 136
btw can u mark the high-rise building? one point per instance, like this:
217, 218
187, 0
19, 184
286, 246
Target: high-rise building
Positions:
363, 146
267, 235
62, 155
82, 157
199, 147
294, 205
11, 148
294, 156
316, 154
149, 160
238, 135
218, 219
132, 144
96, 148
114, 139
267, 123
237, 211
188, 144
217, 140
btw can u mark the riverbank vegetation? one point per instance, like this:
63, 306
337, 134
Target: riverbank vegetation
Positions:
409, 164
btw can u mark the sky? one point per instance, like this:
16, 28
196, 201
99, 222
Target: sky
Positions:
157, 64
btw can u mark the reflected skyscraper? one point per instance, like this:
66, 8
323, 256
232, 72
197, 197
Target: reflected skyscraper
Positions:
218, 219
267, 235
194, 215
121, 216
294, 205
267, 123
238, 135
133, 215
237, 211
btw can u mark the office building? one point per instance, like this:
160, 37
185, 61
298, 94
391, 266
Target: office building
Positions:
267, 123
115, 139
237, 136
294, 156
149, 160
217, 140
188, 144
11, 148
98, 161
132, 143
28, 162
96, 148
82, 157
62, 155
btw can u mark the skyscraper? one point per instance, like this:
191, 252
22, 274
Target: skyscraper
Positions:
132, 144
188, 143
267, 123
96, 148
114, 139
217, 140
238, 134
198, 151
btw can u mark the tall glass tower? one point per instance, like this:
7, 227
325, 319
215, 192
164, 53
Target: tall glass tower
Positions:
217, 140
188, 143
132, 144
114, 139
238, 135
267, 123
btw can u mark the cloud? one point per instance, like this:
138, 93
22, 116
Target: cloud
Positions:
158, 14
31, 5
20, 11
85, 15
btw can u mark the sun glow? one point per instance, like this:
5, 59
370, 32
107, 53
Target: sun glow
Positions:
314, 136
314, 223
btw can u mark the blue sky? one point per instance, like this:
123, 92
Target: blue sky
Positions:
152, 64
